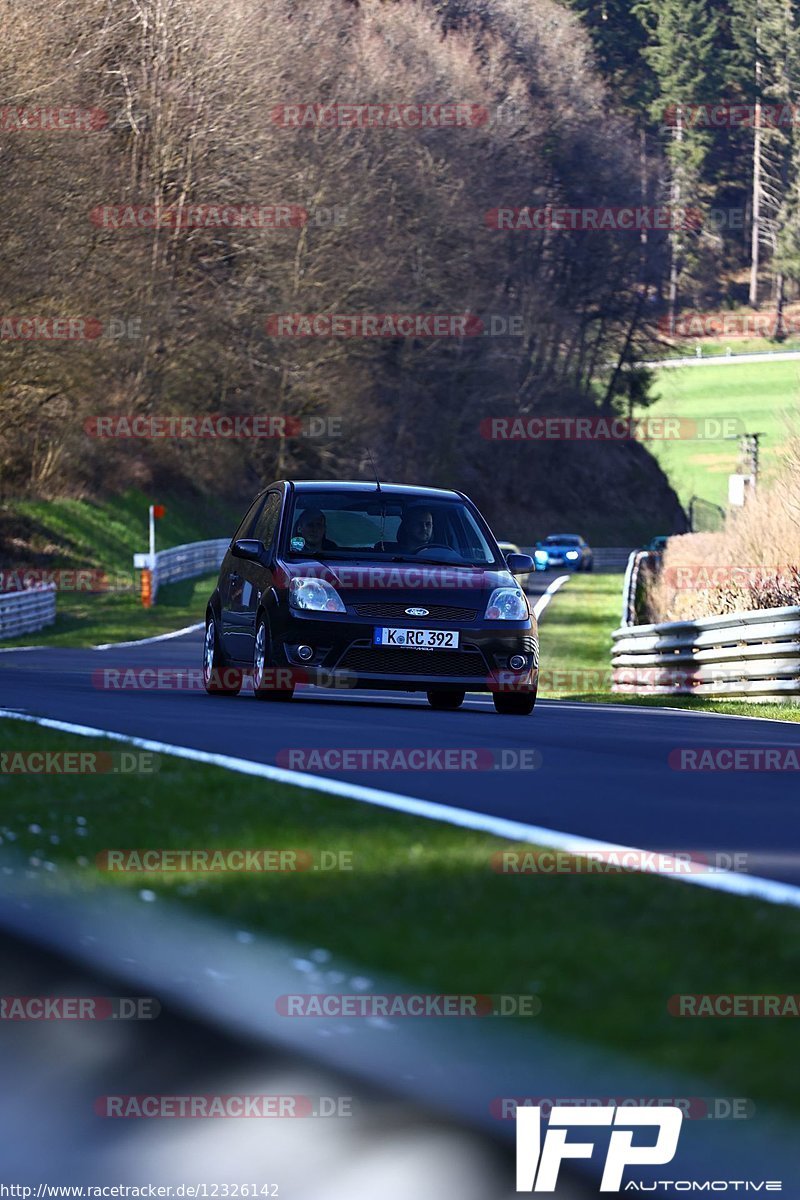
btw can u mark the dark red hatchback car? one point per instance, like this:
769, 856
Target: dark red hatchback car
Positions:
372, 586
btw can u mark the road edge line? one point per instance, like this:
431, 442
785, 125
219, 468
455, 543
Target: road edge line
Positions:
729, 882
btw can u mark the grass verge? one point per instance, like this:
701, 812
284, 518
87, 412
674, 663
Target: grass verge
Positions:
89, 620
604, 953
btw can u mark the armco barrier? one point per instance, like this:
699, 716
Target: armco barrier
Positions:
753, 655
183, 562
23, 612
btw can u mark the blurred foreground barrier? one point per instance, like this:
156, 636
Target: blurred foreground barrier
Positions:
22, 612
181, 562
753, 655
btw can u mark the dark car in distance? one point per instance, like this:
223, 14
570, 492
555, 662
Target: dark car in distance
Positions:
372, 586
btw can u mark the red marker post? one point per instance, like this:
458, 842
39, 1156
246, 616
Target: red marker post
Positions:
149, 581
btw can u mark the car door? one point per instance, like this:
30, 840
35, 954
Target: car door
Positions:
231, 579
250, 579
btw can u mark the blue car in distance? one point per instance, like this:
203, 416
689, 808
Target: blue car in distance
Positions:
565, 550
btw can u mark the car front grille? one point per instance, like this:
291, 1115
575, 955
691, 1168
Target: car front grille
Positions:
436, 612
382, 660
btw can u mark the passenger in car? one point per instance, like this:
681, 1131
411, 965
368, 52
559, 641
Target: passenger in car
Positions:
311, 526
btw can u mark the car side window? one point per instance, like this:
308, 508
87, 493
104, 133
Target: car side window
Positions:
248, 520
268, 520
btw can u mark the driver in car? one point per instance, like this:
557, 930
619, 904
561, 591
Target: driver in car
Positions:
415, 530
311, 526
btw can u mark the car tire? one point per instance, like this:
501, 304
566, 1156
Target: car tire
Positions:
262, 690
218, 678
515, 704
446, 699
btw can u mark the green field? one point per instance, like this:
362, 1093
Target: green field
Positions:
762, 396
602, 952
78, 534
105, 534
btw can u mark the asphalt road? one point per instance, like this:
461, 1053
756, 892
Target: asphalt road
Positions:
604, 771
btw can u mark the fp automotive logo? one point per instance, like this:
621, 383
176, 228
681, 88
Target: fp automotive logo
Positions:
538, 1165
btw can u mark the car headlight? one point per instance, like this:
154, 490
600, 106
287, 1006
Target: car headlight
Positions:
315, 594
507, 604
572, 554
540, 555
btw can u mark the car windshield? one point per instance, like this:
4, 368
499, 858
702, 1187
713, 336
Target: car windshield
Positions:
562, 540
386, 527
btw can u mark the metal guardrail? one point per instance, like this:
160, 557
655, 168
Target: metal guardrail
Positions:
183, 562
610, 558
748, 654
26, 611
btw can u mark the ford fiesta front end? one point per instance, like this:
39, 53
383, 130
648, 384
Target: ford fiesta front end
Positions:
371, 586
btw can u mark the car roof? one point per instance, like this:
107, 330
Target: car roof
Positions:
565, 535
358, 486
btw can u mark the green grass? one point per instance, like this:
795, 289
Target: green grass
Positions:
760, 395
575, 653
603, 953
789, 711
84, 533
575, 636
104, 537
84, 620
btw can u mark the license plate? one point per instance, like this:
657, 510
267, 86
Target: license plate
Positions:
417, 639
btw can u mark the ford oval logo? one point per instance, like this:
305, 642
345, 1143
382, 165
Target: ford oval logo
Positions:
417, 612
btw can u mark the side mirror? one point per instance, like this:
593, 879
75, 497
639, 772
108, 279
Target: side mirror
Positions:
249, 548
519, 564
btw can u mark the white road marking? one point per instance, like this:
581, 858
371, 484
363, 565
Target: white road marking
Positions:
502, 827
543, 601
161, 637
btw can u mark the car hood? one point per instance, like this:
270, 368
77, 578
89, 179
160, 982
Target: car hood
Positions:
422, 584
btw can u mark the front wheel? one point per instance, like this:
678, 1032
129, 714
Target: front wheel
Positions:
218, 680
268, 683
446, 700
515, 704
